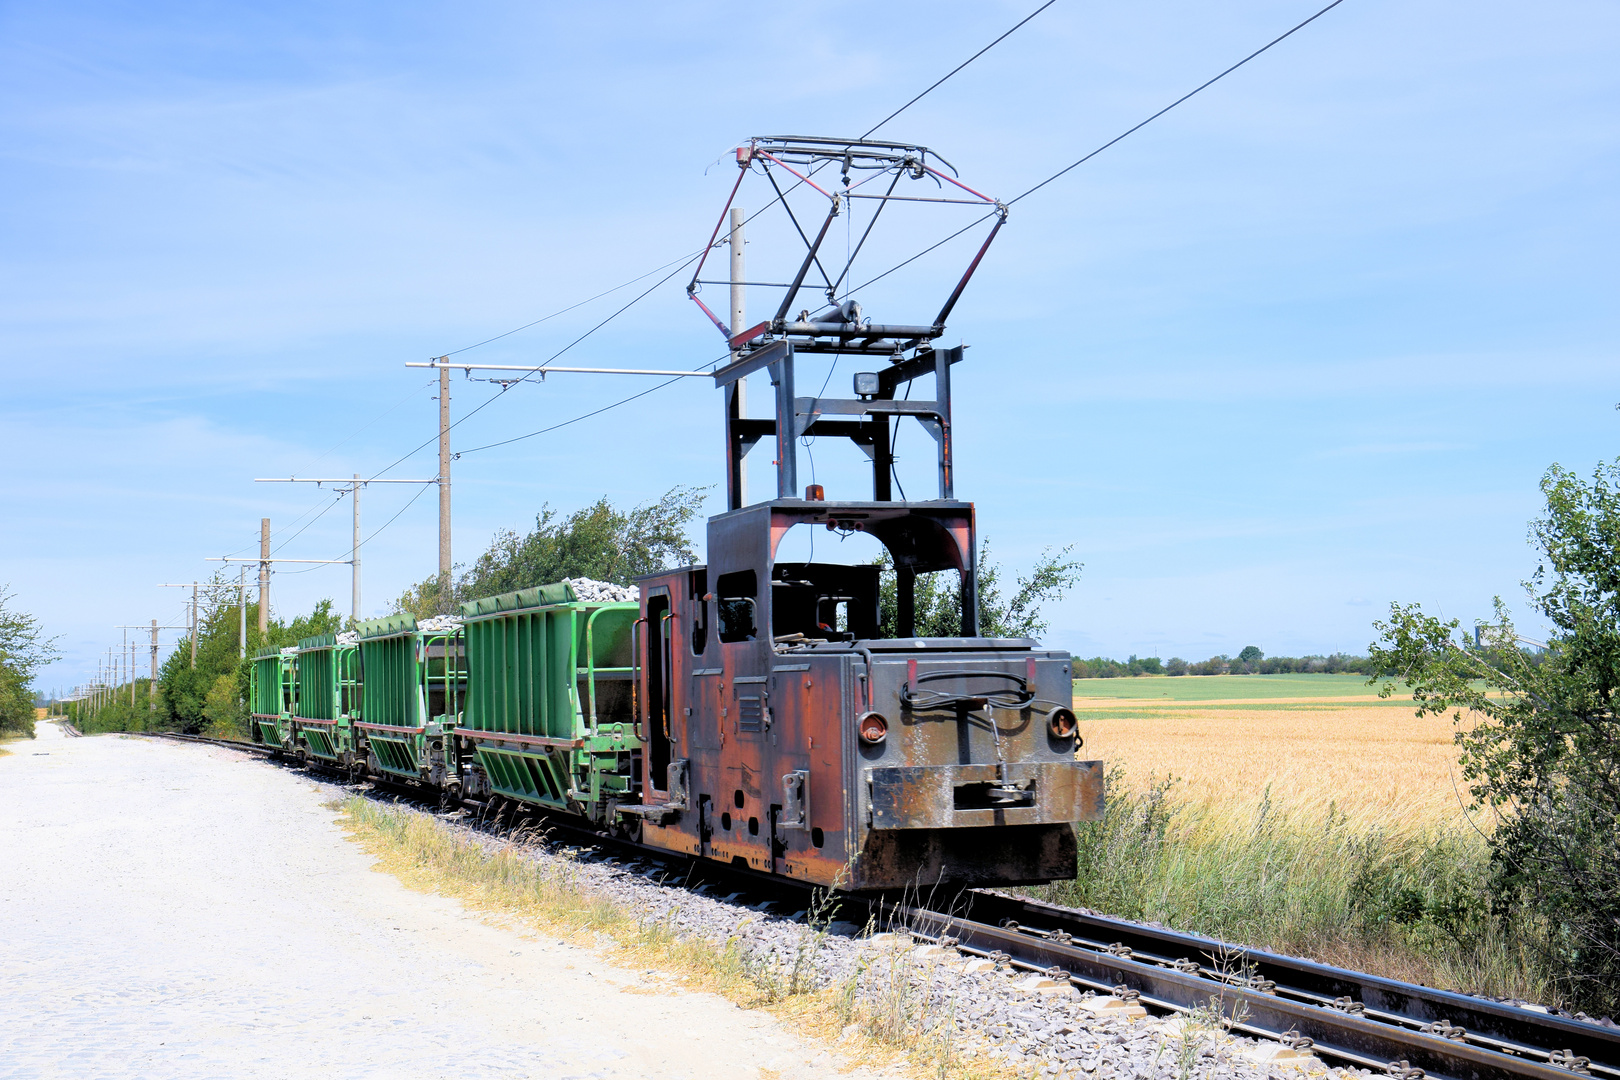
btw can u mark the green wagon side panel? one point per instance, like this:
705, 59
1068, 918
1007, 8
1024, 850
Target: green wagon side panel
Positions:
535, 667
318, 683
266, 689
393, 680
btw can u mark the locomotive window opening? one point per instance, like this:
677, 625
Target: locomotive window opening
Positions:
753, 826
737, 622
823, 602
700, 612
657, 667
936, 606
725, 821
737, 798
817, 837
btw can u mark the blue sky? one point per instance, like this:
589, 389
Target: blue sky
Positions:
1298, 349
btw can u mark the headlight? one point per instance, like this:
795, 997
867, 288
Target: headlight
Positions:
1061, 723
873, 728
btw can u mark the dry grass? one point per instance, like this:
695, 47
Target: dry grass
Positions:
1375, 762
504, 883
1329, 827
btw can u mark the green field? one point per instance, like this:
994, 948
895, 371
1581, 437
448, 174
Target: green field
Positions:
1224, 687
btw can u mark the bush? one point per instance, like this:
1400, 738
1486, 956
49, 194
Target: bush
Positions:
1539, 733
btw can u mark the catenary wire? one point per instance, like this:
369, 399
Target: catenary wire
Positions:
350, 553
571, 307
957, 68
548, 360
309, 464
1117, 138
584, 416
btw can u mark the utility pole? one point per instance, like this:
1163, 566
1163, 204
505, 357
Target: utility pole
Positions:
354, 555
352, 489
264, 576
134, 647
241, 618
737, 392
444, 481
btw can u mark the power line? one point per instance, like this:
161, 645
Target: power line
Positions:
780, 195
1128, 131
582, 416
373, 536
1179, 100
957, 68
337, 498
571, 307
684, 264
324, 506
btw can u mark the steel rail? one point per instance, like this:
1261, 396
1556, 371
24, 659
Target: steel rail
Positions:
1441, 1033
1460, 1018
1407, 1030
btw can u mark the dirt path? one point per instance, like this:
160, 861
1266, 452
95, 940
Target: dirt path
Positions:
185, 912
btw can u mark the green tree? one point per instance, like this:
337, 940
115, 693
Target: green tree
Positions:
225, 708
1541, 751
185, 692
938, 597
599, 541
24, 649
1251, 654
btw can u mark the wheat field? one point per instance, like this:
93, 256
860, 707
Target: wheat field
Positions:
1300, 813
1372, 761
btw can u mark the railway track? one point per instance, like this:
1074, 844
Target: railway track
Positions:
1402, 1029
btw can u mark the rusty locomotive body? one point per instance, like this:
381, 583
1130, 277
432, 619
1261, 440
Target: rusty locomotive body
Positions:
778, 741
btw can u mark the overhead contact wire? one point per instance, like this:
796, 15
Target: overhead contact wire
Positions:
1127, 132
957, 68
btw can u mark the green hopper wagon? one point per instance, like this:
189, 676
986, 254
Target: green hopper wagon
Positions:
551, 716
415, 686
328, 698
273, 691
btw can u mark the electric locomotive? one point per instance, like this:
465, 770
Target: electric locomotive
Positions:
763, 712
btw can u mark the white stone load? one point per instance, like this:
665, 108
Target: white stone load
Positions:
602, 592
349, 637
439, 624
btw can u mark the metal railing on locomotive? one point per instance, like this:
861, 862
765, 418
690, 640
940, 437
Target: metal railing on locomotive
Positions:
942, 537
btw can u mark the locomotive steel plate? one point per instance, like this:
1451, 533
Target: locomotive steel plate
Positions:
957, 796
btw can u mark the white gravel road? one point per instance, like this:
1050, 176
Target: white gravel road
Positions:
179, 912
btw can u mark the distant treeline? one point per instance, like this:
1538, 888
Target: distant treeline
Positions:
1251, 661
